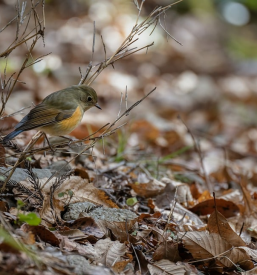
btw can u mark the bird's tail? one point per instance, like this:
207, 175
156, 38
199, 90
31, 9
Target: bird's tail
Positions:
11, 135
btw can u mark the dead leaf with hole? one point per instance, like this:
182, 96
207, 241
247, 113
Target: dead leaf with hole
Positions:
226, 208
205, 246
149, 189
166, 267
217, 223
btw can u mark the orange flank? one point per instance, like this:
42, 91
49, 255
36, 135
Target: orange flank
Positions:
65, 126
70, 123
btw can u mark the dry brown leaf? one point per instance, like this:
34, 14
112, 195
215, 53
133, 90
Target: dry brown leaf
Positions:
2, 156
85, 250
79, 172
82, 191
119, 266
167, 250
217, 223
27, 236
222, 175
109, 252
250, 206
226, 208
232, 195
3, 206
250, 272
73, 234
164, 267
119, 229
150, 189
43, 233
191, 227
88, 226
119, 221
145, 130
208, 246
251, 252
204, 196
182, 191
152, 218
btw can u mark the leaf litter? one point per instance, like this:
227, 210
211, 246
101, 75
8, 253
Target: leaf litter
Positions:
164, 194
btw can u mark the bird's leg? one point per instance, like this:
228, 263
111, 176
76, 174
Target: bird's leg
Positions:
47, 140
70, 139
44, 143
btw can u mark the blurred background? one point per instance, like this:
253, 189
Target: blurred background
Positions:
210, 81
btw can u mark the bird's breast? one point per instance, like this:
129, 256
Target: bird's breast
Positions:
65, 126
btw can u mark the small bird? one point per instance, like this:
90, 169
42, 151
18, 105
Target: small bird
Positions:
59, 113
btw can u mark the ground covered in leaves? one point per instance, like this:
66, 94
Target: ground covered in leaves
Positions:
171, 191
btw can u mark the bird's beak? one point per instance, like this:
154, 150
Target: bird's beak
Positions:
97, 106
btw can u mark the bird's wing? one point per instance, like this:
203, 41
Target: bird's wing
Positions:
43, 115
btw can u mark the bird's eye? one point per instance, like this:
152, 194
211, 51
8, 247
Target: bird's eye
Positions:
89, 98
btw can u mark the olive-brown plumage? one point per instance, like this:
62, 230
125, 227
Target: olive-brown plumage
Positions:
59, 113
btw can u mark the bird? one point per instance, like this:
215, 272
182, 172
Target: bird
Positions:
59, 113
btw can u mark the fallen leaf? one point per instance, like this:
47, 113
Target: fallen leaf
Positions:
150, 189
145, 131
75, 189
251, 272
79, 172
217, 223
85, 250
167, 250
149, 217
73, 234
43, 233
4, 206
110, 252
208, 246
2, 156
204, 196
166, 267
88, 226
226, 208
182, 191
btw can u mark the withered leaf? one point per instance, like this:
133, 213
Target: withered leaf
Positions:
207, 246
166, 267
88, 226
226, 208
217, 223
43, 233
167, 250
